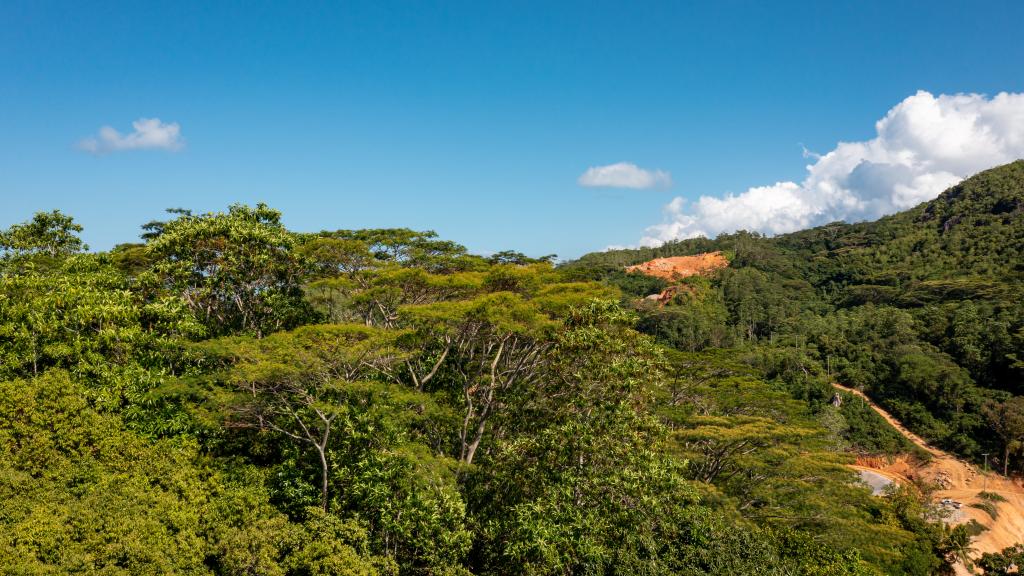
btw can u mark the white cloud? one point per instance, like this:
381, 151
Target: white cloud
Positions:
624, 175
147, 133
923, 145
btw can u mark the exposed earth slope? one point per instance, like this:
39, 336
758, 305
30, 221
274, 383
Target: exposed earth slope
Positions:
958, 481
677, 267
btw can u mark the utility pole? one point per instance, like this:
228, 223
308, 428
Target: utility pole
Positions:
985, 489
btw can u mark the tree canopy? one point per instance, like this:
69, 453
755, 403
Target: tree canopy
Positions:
228, 396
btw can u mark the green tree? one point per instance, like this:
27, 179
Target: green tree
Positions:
80, 494
1007, 420
410, 248
1003, 563
237, 271
497, 345
957, 546
290, 382
83, 316
52, 234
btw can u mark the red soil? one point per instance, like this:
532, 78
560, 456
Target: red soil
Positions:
956, 480
678, 267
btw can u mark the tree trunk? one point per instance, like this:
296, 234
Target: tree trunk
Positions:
1006, 460
323, 478
476, 442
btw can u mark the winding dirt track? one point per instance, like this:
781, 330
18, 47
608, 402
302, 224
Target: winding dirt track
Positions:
959, 481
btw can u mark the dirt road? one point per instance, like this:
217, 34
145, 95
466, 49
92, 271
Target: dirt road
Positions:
959, 481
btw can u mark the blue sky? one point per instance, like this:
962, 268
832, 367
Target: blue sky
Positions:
473, 119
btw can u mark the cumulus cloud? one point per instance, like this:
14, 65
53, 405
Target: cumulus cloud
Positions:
624, 175
922, 146
146, 134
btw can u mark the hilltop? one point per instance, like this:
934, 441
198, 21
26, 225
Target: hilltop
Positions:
992, 201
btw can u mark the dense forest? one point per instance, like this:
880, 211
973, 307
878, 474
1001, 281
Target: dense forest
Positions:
923, 310
231, 397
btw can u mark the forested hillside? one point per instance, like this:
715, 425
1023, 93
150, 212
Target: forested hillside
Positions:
231, 397
923, 310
